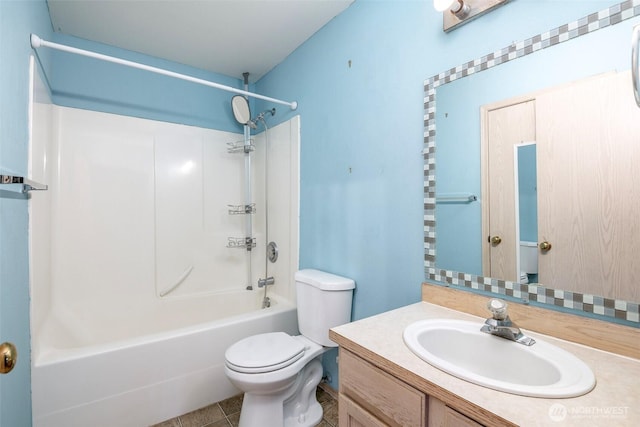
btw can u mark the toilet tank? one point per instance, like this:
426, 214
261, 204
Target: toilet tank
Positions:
324, 301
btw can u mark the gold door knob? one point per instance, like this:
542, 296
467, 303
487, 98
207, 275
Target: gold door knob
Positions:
545, 246
8, 357
496, 240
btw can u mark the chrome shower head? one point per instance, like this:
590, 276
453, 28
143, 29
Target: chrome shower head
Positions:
261, 115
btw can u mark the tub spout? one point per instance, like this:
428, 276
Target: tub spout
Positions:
266, 302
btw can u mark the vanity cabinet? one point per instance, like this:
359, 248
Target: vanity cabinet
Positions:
370, 397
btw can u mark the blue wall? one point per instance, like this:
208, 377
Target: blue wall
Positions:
81, 82
359, 84
17, 20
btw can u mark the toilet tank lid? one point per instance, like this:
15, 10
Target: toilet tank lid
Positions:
324, 281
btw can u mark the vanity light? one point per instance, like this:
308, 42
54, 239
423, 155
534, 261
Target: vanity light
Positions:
458, 7
458, 12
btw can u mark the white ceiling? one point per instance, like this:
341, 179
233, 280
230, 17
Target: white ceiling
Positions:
223, 36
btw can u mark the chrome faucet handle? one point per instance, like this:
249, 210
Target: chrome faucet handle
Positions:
501, 325
498, 309
266, 282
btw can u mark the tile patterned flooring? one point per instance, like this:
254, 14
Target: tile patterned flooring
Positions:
227, 412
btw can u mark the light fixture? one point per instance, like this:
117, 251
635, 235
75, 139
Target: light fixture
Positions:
459, 12
458, 7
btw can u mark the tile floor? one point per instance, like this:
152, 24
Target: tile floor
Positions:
227, 413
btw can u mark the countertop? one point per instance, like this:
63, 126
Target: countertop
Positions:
615, 400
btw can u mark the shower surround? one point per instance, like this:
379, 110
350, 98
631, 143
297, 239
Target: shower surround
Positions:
135, 207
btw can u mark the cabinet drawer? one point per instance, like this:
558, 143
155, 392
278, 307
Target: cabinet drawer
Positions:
352, 415
440, 415
388, 399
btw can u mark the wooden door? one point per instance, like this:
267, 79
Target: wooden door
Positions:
589, 187
504, 127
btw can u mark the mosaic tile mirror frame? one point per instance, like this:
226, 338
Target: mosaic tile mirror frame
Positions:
605, 308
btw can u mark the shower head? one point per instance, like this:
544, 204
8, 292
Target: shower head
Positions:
261, 115
253, 123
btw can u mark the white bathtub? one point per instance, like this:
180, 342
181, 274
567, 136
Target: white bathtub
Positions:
143, 368
120, 224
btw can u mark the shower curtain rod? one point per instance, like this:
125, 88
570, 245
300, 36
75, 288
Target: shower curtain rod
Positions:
37, 42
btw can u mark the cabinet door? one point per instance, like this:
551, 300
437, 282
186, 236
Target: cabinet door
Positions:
378, 393
506, 127
440, 415
352, 415
588, 186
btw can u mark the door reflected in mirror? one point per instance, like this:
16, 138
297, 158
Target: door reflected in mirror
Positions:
586, 136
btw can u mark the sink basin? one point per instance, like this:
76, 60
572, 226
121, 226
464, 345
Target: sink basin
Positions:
460, 349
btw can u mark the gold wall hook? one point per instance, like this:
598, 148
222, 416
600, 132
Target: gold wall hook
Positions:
8, 357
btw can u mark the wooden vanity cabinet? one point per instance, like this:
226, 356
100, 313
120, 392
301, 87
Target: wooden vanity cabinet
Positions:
370, 397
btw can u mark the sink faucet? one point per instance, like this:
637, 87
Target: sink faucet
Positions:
501, 325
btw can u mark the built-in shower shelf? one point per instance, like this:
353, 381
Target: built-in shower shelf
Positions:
240, 146
242, 209
241, 242
20, 184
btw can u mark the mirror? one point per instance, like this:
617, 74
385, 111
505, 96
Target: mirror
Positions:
241, 110
454, 235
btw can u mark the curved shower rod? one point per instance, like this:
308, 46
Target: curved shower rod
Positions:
37, 42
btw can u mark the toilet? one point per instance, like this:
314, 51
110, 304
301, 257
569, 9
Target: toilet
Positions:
279, 373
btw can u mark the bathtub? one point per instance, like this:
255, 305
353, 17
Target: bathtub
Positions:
121, 223
140, 368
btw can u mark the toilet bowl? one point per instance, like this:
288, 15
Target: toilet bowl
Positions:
291, 364
279, 373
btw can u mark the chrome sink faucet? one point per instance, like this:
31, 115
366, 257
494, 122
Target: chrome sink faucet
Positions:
501, 325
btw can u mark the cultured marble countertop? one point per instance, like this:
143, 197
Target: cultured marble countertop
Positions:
615, 400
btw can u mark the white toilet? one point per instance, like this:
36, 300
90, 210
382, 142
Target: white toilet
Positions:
279, 373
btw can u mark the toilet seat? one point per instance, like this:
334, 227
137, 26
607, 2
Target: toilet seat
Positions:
264, 353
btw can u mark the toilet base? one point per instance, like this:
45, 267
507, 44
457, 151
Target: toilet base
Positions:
294, 407
312, 417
